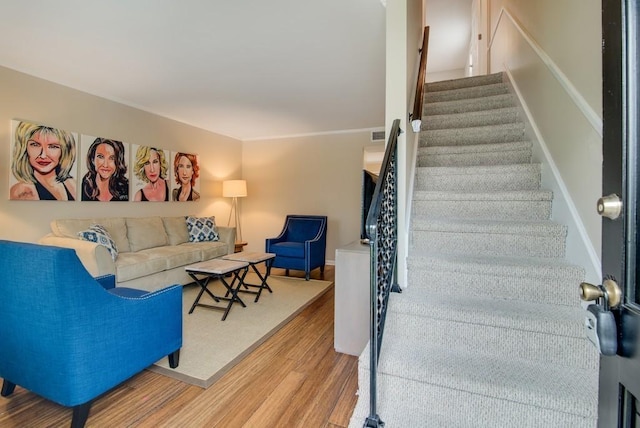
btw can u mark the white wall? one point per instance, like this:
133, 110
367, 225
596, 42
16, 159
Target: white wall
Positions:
551, 52
404, 39
28, 98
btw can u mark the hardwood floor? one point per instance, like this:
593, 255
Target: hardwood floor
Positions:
294, 379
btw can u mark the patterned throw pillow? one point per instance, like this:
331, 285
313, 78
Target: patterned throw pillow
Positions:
202, 229
99, 235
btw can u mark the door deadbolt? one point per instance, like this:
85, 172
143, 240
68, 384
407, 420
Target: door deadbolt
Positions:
610, 206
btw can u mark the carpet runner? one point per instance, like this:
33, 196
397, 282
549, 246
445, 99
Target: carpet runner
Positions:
489, 332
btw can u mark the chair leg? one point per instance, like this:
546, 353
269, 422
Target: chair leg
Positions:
322, 271
7, 388
80, 415
286, 272
174, 359
307, 275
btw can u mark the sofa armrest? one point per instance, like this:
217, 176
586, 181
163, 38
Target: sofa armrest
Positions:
95, 258
228, 235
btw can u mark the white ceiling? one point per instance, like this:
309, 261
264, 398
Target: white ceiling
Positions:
243, 68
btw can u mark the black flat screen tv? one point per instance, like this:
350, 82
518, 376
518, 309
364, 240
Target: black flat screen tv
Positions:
369, 181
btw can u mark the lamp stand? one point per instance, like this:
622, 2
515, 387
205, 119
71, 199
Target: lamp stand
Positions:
234, 209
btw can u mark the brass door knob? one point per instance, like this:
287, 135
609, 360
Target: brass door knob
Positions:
609, 287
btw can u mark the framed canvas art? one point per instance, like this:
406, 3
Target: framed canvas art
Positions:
104, 170
150, 166
43, 163
184, 178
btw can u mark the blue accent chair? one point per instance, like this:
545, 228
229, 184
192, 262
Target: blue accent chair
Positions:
69, 337
301, 245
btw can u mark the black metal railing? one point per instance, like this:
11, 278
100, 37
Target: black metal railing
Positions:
382, 231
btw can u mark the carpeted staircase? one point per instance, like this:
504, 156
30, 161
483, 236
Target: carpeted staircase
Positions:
489, 332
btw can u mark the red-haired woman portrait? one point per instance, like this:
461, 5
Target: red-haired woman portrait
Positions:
187, 171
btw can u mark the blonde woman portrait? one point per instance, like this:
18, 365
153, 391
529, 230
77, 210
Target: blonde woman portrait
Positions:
42, 162
151, 168
186, 171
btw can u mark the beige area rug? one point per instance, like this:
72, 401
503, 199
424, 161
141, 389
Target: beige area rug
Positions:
210, 346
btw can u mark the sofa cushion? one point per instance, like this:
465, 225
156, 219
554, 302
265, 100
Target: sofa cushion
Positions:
98, 234
208, 249
134, 265
176, 255
176, 228
115, 226
146, 232
202, 229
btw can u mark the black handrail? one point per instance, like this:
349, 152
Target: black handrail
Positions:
382, 231
416, 115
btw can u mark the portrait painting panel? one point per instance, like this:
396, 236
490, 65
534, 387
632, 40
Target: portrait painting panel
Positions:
104, 169
150, 167
185, 174
43, 163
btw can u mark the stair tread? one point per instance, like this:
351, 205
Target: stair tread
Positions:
561, 320
515, 195
537, 342
472, 148
445, 407
464, 82
475, 113
570, 390
465, 92
530, 228
479, 169
526, 265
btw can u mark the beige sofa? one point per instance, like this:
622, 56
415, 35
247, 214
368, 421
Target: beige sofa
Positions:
152, 251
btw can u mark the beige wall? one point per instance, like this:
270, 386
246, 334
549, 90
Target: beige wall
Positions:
551, 51
28, 98
318, 175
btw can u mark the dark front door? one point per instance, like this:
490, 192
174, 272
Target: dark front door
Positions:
619, 396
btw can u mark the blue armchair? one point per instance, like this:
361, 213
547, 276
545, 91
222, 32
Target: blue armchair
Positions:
69, 337
301, 245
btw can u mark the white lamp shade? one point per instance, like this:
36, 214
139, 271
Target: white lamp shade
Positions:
234, 188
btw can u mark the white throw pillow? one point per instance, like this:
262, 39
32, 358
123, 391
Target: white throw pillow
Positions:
99, 235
